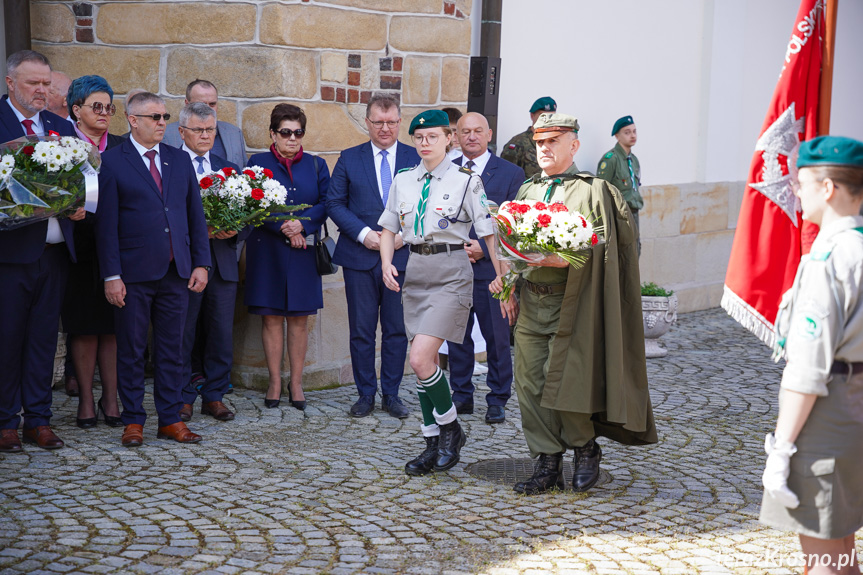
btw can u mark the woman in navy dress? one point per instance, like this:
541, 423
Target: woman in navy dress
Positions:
282, 282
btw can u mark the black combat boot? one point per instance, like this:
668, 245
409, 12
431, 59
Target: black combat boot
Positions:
424, 464
451, 441
585, 466
547, 474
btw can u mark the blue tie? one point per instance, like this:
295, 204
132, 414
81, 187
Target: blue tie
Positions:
200, 160
386, 176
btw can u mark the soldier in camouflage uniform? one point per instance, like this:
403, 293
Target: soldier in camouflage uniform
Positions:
521, 149
620, 167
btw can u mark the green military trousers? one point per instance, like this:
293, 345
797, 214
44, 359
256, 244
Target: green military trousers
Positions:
546, 430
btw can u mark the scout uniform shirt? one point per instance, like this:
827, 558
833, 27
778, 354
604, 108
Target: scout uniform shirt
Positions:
456, 200
614, 167
820, 319
521, 151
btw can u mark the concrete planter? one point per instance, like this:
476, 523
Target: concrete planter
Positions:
659, 315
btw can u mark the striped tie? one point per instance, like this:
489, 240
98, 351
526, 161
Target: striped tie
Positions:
419, 224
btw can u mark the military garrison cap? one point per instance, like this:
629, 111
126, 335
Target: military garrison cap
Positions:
544, 104
429, 119
622, 123
551, 125
830, 151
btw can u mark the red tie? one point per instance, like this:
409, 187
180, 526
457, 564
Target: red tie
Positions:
28, 127
151, 155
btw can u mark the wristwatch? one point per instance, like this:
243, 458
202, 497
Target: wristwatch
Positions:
208, 268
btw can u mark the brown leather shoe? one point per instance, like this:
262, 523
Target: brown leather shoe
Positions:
179, 433
9, 441
186, 412
133, 435
218, 410
43, 436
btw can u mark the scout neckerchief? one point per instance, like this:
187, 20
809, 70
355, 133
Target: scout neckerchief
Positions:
550, 191
631, 173
419, 223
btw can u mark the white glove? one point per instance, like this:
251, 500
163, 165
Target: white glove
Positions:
775, 477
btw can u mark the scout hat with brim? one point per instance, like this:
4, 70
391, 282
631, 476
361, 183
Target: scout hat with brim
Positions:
553, 125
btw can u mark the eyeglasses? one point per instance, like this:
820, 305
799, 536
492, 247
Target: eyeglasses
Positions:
155, 117
99, 108
199, 131
286, 133
378, 125
430, 138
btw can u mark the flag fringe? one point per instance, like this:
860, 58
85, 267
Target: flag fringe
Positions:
748, 317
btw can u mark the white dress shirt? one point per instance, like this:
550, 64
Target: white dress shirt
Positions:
479, 163
391, 160
208, 167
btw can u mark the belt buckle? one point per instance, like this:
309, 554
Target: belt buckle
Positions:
544, 290
426, 250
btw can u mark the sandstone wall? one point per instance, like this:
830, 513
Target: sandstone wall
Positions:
326, 56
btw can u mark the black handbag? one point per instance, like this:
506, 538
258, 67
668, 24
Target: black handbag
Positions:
324, 248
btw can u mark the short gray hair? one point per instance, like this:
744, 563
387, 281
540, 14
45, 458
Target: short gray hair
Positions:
383, 101
198, 109
139, 100
21, 56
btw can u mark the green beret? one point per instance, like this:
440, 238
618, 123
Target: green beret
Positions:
622, 123
830, 151
429, 119
545, 104
550, 125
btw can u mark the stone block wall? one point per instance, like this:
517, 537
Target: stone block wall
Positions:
326, 56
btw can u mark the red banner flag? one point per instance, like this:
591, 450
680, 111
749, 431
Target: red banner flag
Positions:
771, 235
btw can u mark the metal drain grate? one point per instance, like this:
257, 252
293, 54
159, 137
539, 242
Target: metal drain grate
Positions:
513, 470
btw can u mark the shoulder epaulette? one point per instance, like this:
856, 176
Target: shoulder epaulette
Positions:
527, 180
465, 170
405, 169
609, 155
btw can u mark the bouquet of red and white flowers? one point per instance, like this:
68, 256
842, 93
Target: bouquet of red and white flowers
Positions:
530, 231
233, 200
45, 177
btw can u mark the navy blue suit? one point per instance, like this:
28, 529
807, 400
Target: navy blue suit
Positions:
32, 283
138, 229
216, 308
354, 202
501, 180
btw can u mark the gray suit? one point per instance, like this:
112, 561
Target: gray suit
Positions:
232, 141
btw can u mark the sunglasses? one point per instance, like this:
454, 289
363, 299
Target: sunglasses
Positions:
99, 108
155, 117
286, 133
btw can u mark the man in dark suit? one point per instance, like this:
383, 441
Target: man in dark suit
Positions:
152, 246
229, 142
215, 305
501, 180
358, 192
34, 263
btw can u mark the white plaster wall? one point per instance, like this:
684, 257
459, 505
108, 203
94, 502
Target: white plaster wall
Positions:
697, 75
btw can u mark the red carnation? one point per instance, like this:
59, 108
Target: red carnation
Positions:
220, 176
594, 240
268, 173
583, 222
206, 182
229, 171
523, 208
250, 173
543, 220
28, 150
557, 208
540, 206
257, 194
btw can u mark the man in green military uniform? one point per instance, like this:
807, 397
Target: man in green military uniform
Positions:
620, 167
580, 370
521, 150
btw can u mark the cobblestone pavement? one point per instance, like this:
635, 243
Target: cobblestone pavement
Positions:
279, 491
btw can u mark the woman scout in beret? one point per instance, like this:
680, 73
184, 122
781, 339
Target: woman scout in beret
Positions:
813, 479
433, 205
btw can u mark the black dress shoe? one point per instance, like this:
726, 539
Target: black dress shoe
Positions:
272, 402
495, 414
364, 406
110, 420
86, 423
424, 464
394, 406
585, 466
547, 474
301, 405
463, 407
449, 445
